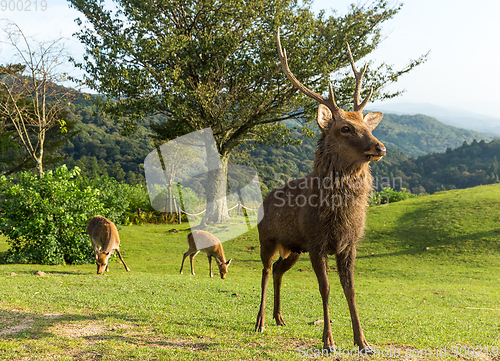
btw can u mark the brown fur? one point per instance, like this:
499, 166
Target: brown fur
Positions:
105, 241
332, 220
214, 250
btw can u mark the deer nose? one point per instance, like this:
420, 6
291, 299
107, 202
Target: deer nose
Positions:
380, 149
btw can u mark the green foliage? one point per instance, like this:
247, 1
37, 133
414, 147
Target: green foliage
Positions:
45, 217
389, 195
112, 195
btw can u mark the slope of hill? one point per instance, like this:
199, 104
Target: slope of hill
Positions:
419, 134
467, 166
100, 149
451, 222
450, 116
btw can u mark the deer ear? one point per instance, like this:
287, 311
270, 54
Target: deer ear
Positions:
372, 119
229, 262
325, 117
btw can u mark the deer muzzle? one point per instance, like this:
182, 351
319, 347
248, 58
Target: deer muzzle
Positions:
376, 153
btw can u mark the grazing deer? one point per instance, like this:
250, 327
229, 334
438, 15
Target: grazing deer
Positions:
206, 242
105, 240
324, 212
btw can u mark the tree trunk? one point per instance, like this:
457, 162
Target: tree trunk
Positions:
41, 141
216, 191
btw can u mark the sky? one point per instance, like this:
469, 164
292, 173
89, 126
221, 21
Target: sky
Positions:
462, 72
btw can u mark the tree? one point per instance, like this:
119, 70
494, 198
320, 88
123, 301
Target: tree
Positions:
213, 63
13, 155
31, 101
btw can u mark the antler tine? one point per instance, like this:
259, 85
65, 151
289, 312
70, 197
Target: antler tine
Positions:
329, 102
359, 79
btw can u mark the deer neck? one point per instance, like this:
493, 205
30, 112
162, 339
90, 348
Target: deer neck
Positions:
338, 175
218, 254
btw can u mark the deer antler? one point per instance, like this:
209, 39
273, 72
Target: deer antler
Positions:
359, 79
329, 102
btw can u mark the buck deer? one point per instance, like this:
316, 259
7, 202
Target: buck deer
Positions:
206, 242
105, 241
324, 212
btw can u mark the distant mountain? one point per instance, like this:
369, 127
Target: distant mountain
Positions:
419, 134
456, 117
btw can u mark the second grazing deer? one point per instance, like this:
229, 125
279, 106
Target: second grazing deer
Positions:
209, 244
324, 212
105, 241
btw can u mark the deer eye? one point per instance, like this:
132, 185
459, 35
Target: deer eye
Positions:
345, 130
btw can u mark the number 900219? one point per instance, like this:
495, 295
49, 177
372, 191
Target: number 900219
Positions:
471, 351
23, 5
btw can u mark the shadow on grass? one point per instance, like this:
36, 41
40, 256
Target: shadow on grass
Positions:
99, 327
3, 257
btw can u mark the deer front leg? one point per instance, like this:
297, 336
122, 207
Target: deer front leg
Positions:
279, 268
260, 324
267, 254
345, 266
319, 263
210, 265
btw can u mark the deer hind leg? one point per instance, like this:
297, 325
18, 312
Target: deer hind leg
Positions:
267, 253
188, 253
121, 259
319, 263
345, 267
279, 268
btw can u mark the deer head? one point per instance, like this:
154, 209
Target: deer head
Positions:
102, 262
348, 133
223, 267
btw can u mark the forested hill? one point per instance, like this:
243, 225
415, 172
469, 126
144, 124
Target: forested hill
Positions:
100, 149
466, 166
419, 134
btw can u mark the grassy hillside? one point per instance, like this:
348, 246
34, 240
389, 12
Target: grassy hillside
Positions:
427, 278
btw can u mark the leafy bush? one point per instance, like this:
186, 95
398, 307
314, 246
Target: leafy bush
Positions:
389, 195
137, 197
111, 194
45, 218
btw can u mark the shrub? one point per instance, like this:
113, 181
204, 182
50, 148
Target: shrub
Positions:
111, 194
45, 217
389, 195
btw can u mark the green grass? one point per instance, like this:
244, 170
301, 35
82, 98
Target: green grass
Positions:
427, 277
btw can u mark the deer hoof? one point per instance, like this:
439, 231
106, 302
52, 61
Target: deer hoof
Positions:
367, 351
260, 329
279, 320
